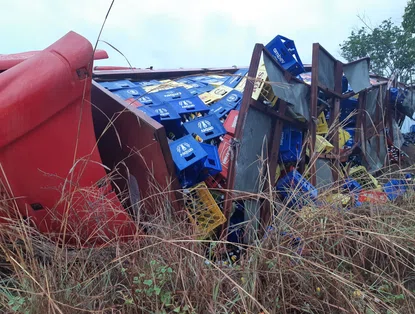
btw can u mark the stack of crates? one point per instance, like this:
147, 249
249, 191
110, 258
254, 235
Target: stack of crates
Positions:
195, 105
189, 157
199, 114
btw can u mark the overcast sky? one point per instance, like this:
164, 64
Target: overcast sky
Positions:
184, 33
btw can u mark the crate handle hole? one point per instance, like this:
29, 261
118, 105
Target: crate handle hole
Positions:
190, 157
211, 161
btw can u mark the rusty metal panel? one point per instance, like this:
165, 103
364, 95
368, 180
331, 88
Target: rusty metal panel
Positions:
371, 100
379, 138
357, 73
150, 74
324, 174
257, 132
294, 93
326, 69
373, 162
135, 145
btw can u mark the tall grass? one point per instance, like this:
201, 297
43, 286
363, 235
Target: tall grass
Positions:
330, 260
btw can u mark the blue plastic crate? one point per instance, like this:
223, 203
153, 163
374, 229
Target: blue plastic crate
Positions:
189, 158
207, 128
166, 112
189, 105
177, 93
149, 100
212, 163
285, 52
233, 99
210, 80
220, 109
234, 79
130, 92
169, 118
148, 83
394, 188
195, 91
115, 85
346, 108
150, 112
396, 95
352, 186
295, 186
184, 80
350, 142
290, 144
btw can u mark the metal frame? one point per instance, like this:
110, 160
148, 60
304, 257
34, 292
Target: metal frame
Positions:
336, 156
248, 103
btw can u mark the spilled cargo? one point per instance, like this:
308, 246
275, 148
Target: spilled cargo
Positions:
278, 126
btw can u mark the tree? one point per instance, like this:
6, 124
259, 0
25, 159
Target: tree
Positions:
390, 47
408, 22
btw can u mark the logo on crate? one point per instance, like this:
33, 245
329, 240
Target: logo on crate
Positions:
184, 149
145, 99
162, 112
132, 92
186, 104
277, 54
218, 109
235, 120
232, 98
220, 91
205, 126
172, 94
226, 157
258, 82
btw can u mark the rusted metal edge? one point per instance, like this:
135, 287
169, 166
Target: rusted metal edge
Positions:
146, 74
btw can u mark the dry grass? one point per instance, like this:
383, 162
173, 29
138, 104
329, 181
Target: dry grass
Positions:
356, 261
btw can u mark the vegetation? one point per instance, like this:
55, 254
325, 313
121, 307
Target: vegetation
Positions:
390, 47
330, 260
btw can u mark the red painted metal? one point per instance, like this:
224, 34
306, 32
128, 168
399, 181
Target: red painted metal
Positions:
231, 121
10, 60
48, 148
225, 155
111, 68
134, 142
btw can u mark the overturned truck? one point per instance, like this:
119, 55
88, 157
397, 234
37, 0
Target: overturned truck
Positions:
88, 153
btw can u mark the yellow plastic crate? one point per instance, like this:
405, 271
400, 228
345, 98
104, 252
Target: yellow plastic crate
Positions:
344, 136
241, 86
338, 198
322, 126
364, 178
322, 146
207, 98
203, 210
220, 92
262, 88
